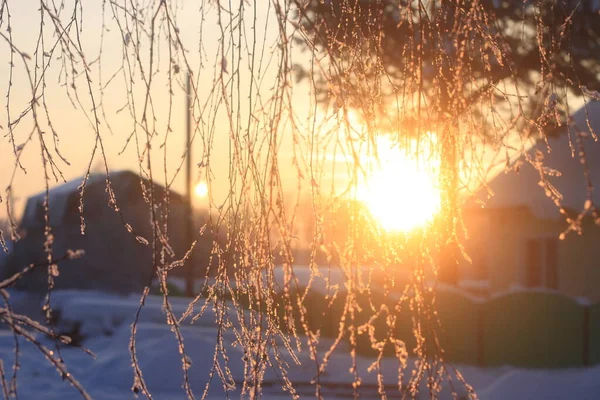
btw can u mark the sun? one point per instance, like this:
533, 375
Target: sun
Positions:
402, 189
201, 189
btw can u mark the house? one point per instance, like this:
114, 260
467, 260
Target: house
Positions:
115, 259
5, 250
516, 238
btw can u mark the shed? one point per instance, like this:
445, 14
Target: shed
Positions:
114, 259
516, 237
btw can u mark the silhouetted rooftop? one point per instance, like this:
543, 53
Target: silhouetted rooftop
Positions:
562, 153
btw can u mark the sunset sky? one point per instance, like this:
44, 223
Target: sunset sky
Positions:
76, 134
320, 137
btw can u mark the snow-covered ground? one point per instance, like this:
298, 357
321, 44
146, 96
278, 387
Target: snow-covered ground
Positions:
105, 321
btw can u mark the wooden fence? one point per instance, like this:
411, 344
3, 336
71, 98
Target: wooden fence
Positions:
527, 329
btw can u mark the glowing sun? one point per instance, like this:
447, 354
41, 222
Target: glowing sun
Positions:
401, 190
201, 189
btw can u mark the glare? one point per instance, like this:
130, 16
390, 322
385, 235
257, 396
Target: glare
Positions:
201, 189
402, 190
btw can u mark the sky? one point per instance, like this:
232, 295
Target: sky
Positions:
222, 69
107, 50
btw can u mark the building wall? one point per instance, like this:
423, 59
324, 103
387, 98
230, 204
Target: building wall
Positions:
499, 237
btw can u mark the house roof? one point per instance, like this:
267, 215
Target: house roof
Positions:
59, 196
513, 189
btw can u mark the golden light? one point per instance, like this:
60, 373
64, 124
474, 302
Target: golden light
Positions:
402, 189
201, 189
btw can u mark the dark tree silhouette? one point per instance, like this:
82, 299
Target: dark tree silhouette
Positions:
457, 54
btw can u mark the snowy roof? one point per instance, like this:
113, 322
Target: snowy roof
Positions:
59, 196
561, 154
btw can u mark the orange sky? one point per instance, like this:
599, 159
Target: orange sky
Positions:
77, 136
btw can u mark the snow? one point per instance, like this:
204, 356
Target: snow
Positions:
323, 280
560, 154
464, 286
106, 322
530, 384
58, 197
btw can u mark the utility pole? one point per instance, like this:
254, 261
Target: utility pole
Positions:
189, 228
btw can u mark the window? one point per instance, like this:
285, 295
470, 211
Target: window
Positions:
541, 263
